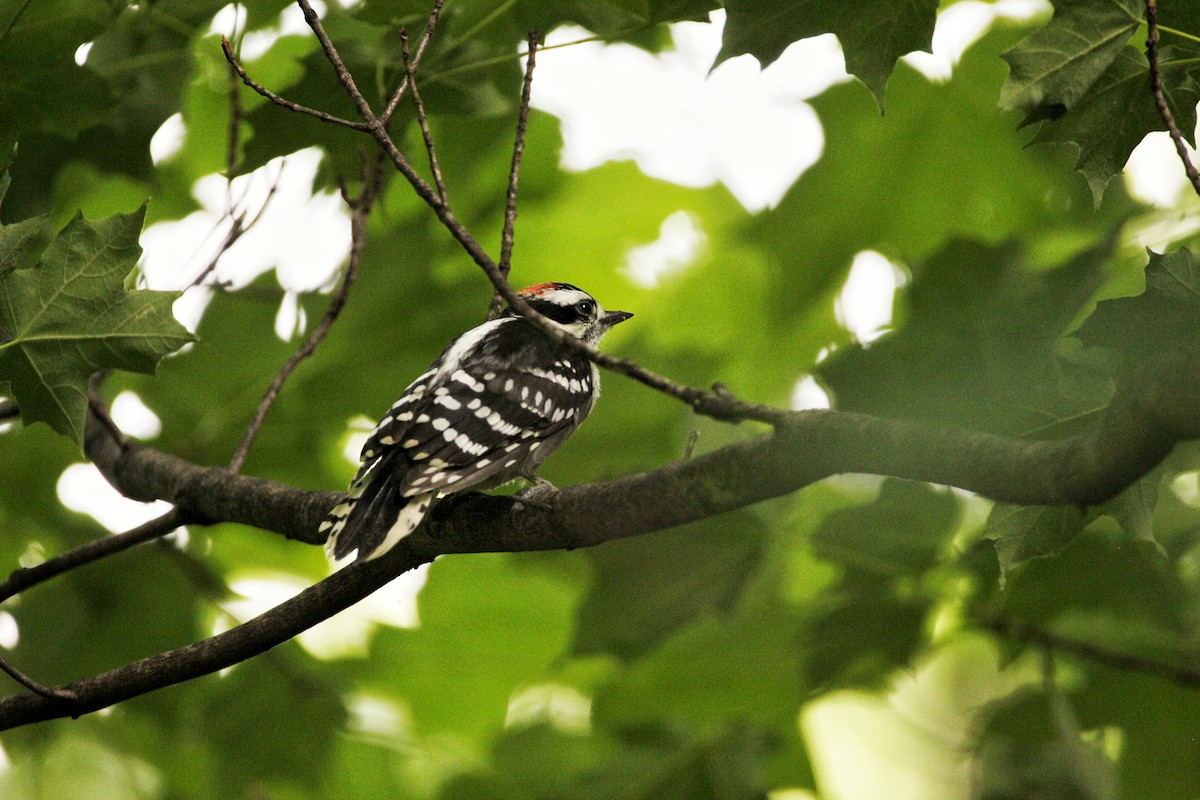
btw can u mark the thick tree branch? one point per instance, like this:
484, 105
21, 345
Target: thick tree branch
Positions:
1148, 416
1145, 420
256, 636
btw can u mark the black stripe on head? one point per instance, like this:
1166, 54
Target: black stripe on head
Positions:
561, 314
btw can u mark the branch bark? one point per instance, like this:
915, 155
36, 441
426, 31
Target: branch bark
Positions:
1146, 419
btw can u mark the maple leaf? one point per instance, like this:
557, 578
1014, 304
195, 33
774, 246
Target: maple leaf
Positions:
70, 315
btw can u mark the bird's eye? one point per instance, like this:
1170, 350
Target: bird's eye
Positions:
586, 307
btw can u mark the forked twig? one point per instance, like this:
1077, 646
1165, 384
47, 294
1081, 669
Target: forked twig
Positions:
514, 175
422, 119
1160, 100
416, 62
372, 178
50, 692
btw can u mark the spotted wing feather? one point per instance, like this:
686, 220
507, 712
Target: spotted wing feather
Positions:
476, 418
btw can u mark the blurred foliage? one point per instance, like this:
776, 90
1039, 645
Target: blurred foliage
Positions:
683, 664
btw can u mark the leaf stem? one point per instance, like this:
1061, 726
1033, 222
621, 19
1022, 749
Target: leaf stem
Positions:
1181, 34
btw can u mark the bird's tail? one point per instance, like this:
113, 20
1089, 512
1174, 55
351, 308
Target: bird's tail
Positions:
361, 521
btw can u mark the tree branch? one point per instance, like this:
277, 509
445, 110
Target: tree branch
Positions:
1020, 631
25, 577
422, 121
514, 174
1146, 418
256, 636
1160, 100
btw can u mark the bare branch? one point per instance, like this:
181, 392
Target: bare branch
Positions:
1146, 418
1160, 100
514, 175
280, 101
1157, 409
360, 211
235, 121
26, 577
258, 635
416, 62
1053, 642
51, 693
423, 120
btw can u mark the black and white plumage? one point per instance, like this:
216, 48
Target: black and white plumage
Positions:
500, 399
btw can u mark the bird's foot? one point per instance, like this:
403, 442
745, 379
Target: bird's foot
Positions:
539, 495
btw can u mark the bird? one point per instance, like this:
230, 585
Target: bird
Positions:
499, 399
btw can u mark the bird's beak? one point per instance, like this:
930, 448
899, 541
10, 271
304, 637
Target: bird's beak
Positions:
611, 318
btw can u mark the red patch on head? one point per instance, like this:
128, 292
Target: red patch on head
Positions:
539, 289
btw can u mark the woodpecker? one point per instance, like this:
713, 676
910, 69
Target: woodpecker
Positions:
499, 399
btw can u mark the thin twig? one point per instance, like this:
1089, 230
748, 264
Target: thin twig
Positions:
21, 579
1160, 100
1015, 629
280, 101
416, 62
50, 692
360, 210
238, 227
335, 60
514, 175
422, 119
235, 121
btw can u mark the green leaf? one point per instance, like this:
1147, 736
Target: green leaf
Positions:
1054, 67
41, 86
71, 316
901, 532
490, 625
749, 666
727, 764
18, 240
1161, 319
1117, 112
1032, 748
268, 690
640, 594
979, 346
873, 33
1024, 532
839, 207
1157, 721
